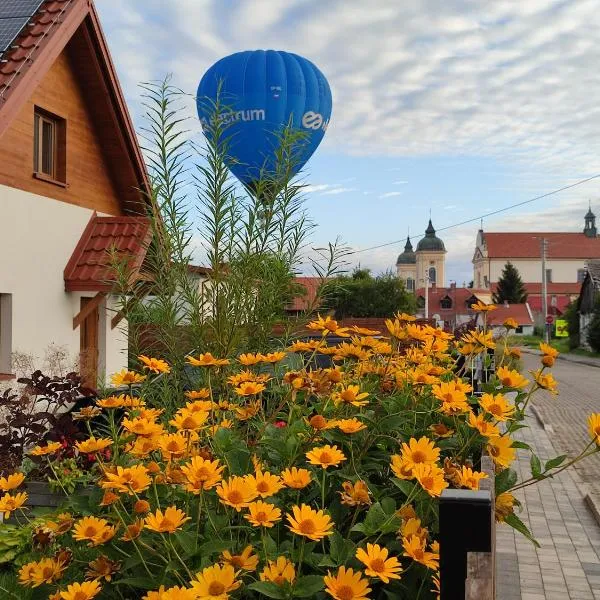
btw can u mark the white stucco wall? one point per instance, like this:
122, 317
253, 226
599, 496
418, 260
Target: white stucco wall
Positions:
563, 271
38, 235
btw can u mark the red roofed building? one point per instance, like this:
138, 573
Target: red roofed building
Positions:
566, 256
309, 287
520, 313
71, 171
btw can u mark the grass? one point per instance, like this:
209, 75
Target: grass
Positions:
561, 344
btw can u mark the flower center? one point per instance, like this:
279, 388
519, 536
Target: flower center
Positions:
325, 458
237, 561
202, 473
80, 596
262, 486
216, 588
419, 456
506, 381
307, 526
166, 524
47, 573
172, 446
90, 531
262, 516
188, 423
279, 580
495, 409
344, 592
427, 482
378, 565
494, 451
235, 497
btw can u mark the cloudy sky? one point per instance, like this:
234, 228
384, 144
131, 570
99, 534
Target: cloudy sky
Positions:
458, 107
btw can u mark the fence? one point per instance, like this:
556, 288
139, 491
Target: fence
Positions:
468, 541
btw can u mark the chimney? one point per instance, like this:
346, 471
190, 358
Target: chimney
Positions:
453, 285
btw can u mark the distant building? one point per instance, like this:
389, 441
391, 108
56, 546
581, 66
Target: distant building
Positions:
427, 263
590, 288
521, 313
566, 257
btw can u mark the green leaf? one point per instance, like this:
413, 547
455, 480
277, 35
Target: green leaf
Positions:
340, 549
517, 524
505, 480
269, 589
214, 546
308, 586
555, 462
388, 505
142, 583
536, 466
406, 487
518, 444
187, 541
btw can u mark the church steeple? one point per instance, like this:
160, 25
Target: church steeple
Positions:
408, 246
590, 224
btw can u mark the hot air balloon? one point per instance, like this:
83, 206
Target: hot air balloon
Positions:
265, 91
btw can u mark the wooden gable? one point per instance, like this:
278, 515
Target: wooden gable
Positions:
70, 75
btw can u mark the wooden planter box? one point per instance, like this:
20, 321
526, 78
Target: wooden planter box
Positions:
39, 494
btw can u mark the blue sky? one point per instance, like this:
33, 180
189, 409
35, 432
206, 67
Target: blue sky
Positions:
457, 106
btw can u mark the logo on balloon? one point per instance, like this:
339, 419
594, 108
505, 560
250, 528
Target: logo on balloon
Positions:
313, 120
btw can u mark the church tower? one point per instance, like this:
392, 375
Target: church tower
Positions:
406, 266
431, 259
590, 224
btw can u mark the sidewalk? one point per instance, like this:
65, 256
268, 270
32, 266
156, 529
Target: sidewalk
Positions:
567, 566
590, 361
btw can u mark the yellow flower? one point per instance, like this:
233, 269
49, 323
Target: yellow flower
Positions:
132, 401
200, 394
498, 406
202, 474
325, 456
279, 571
431, 478
510, 323
320, 423
350, 425
215, 582
207, 360
10, 503
441, 430
172, 445
237, 492
412, 526
328, 325
243, 413
296, 478
128, 480
110, 402
548, 350
250, 359
173, 593
355, 494
246, 376
266, 483
594, 427
414, 547
346, 585
377, 563
504, 506
421, 451
250, 388
156, 365
169, 521
510, 378
81, 591
49, 448
478, 341
350, 395
126, 377
143, 446
501, 451
133, 531
545, 381
309, 346
401, 467
470, 479
485, 428
143, 427
262, 514
452, 396
11, 482
47, 570
96, 531
102, 568
246, 560
313, 524
202, 406
93, 445
148, 413
480, 306
273, 357
188, 420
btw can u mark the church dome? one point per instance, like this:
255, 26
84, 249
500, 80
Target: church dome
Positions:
408, 257
430, 242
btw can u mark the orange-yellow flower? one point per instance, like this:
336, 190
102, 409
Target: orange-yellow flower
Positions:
93, 445
245, 561
250, 388
172, 593
201, 406
47, 570
356, 494
243, 413
266, 483
273, 357
250, 359
414, 547
498, 406
262, 514
310, 523
545, 381
452, 396
548, 350
207, 360
350, 395
320, 423
441, 430
11, 482
346, 585
325, 456
102, 568
504, 506
128, 480
501, 451
350, 426
594, 427
296, 478
110, 402
480, 306
81, 591
187, 420
143, 427
96, 531
485, 428
401, 467
420, 451
510, 378
49, 448
200, 394
156, 365
133, 531
10, 503
143, 446
173, 445
215, 582
510, 323
328, 325
470, 479
202, 474
237, 492
431, 478
279, 571
126, 377
375, 558
170, 521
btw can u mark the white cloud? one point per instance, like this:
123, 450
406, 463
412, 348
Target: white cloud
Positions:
390, 194
312, 189
402, 182
338, 190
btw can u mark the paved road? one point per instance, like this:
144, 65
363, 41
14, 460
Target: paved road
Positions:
579, 387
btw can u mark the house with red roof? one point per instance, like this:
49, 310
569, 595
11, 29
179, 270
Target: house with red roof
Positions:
566, 257
521, 314
71, 172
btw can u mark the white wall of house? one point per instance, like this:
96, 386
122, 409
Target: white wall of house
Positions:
563, 271
37, 238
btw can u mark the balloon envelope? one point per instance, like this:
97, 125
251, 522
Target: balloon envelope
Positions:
263, 91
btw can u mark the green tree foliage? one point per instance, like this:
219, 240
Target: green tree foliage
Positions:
510, 286
572, 317
362, 295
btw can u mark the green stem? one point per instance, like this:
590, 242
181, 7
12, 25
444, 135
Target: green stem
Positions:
62, 487
198, 518
323, 489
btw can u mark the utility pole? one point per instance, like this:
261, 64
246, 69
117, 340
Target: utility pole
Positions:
427, 296
544, 244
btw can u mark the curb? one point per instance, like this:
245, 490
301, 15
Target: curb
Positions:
538, 417
593, 503
565, 357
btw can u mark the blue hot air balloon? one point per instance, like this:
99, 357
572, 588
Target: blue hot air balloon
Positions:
264, 91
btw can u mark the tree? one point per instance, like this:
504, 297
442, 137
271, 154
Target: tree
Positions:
510, 286
362, 295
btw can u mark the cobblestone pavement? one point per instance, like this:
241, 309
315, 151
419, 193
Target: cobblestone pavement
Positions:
566, 414
567, 566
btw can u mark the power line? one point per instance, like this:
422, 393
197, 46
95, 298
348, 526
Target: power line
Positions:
494, 212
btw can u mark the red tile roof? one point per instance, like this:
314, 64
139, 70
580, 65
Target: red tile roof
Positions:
527, 245
521, 313
89, 267
558, 307
459, 297
311, 285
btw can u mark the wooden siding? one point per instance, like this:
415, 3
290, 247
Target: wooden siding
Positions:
88, 177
